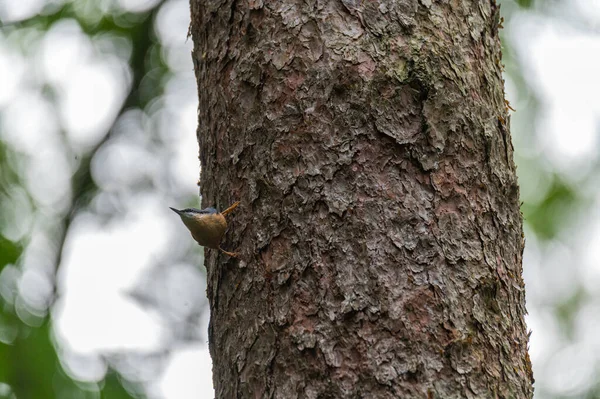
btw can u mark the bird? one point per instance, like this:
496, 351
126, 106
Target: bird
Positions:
207, 225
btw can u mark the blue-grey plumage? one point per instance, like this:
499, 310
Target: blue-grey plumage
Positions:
206, 225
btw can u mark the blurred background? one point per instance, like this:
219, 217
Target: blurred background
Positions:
97, 132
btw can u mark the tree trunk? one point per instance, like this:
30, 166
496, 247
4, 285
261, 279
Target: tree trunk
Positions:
379, 229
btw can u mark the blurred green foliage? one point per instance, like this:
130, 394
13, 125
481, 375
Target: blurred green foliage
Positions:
29, 363
525, 3
548, 217
30, 366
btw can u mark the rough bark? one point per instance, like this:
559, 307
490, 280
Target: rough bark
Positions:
379, 231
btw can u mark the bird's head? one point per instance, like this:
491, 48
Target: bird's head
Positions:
190, 214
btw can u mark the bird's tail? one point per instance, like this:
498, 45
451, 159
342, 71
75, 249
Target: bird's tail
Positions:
231, 208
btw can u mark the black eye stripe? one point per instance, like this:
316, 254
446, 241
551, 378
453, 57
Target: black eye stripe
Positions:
192, 210
200, 211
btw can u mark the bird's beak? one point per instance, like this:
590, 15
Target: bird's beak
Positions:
177, 211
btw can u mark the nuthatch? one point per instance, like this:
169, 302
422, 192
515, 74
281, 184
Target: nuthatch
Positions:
207, 225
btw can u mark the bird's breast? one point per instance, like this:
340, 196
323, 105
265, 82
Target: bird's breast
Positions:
208, 230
